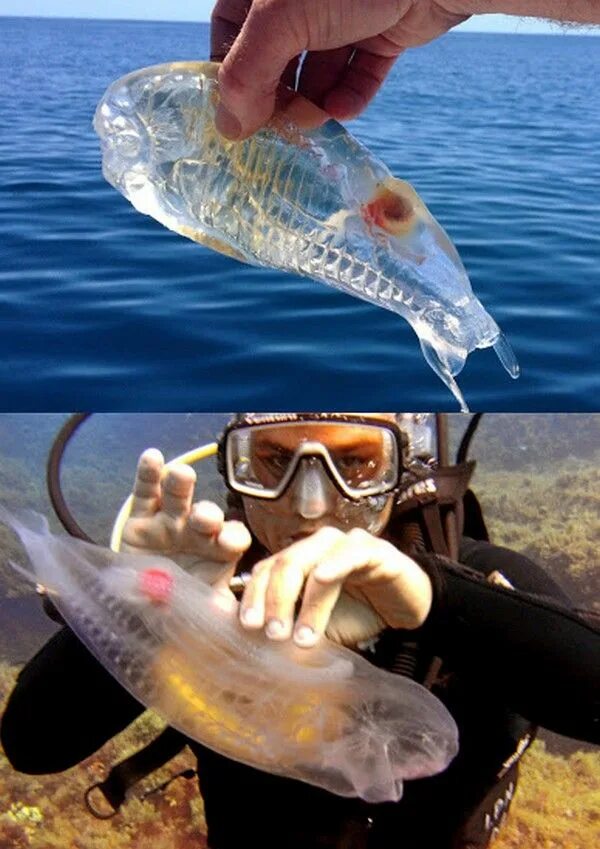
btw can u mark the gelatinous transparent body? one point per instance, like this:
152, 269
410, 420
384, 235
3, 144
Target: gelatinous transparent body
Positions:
324, 715
315, 202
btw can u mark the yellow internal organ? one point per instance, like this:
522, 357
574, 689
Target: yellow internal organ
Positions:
223, 727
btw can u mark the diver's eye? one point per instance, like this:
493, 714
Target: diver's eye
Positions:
276, 462
350, 461
355, 468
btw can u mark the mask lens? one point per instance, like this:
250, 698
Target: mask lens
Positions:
369, 462
361, 459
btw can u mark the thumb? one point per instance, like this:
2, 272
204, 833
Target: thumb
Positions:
252, 70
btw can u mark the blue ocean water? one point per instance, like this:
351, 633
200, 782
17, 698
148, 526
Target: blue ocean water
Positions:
102, 308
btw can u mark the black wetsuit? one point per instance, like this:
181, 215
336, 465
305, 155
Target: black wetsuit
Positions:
511, 659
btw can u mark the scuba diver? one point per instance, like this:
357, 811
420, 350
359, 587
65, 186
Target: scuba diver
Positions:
344, 525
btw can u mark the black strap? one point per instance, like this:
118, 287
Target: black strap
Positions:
435, 531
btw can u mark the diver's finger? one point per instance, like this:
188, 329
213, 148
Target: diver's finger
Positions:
318, 603
359, 550
358, 84
177, 490
146, 488
395, 585
234, 539
319, 598
231, 536
288, 570
297, 110
252, 604
225, 23
206, 518
253, 68
276, 582
321, 71
281, 594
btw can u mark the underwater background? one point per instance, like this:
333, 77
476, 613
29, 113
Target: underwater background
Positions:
537, 479
103, 308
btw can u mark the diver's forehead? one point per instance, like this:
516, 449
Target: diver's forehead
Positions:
338, 435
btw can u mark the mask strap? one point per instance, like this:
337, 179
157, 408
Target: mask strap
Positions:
433, 524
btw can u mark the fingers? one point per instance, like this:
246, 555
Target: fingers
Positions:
206, 518
177, 490
253, 68
394, 588
358, 84
274, 32
321, 71
270, 597
360, 550
394, 584
146, 488
219, 544
317, 606
297, 110
228, 539
226, 22
159, 488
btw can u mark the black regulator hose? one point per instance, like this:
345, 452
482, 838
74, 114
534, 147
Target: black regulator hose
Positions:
53, 476
465, 443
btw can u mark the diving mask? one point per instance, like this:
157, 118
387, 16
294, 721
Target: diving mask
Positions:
360, 455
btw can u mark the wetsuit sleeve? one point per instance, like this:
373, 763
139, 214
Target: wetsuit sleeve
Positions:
64, 707
523, 646
522, 572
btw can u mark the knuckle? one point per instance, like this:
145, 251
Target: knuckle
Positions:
329, 534
207, 514
286, 572
280, 562
393, 557
218, 13
230, 81
261, 568
268, 8
359, 535
240, 530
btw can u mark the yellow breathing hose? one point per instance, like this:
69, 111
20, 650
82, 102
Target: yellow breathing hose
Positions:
193, 456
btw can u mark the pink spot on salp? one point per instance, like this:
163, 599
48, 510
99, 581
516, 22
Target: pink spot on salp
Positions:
389, 211
156, 584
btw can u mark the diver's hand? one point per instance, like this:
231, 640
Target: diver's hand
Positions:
164, 521
379, 587
352, 46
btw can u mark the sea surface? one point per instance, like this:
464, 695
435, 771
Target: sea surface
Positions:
103, 308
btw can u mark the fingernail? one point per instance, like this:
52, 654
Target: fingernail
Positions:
277, 630
305, 636
227, 124
251, 617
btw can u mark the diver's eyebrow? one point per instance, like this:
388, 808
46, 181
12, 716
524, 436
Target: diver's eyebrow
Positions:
355, 445
266, 443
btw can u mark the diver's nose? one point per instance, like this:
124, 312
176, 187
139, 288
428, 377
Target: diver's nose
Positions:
310, 493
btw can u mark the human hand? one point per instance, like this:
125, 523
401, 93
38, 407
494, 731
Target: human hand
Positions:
164, 521
351, 44
351, 586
